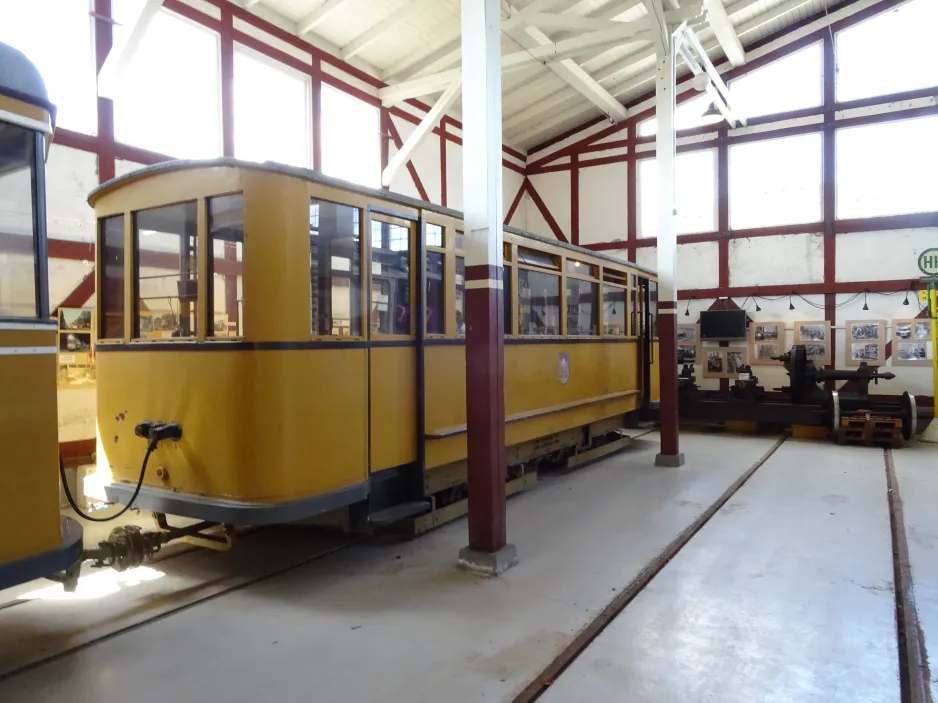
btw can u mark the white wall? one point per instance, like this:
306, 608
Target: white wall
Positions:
603, 203
554, 189
776, 260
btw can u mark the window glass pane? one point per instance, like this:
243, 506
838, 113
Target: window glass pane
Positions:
887, 168
18, 247
460, 295
582, 307
436, 294
226, 244
695, 198
390, 278
793, 82
112, 278
538, 258
434, 235
889, 53
459, 241
538, 302
613, 310
56, 36
506, 296
166, 270
335, 268
351, 144
263, 88
775, 182
169, 101
687, 115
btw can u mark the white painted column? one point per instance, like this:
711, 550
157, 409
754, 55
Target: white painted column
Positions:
488, 550
666, 54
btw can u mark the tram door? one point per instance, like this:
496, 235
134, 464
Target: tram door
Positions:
645, 327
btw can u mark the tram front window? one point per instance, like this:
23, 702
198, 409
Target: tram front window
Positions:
17, 222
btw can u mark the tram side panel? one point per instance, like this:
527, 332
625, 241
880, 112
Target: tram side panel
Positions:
548, 388
274, 425
29, 521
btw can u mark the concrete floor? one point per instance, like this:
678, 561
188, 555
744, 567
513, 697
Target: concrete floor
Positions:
784, 595
917, 471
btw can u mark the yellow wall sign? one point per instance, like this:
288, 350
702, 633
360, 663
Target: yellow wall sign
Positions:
923, 296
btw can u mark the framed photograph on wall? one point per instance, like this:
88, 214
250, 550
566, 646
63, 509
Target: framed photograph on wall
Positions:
815, 335
866, 341
911, 343
766, 339
723, 362
688, 344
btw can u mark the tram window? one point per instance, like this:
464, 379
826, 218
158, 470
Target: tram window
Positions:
436, 294
538, 303
112, 277
459, 241
390, 278
582, 307
166, 270
614, 310
17, 252
538, 258
434, 236
335, 269
460, 295
653, 308
226, 264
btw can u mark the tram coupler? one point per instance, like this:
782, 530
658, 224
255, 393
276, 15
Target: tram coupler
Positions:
129, 546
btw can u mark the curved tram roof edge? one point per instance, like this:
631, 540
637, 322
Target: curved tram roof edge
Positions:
322, 179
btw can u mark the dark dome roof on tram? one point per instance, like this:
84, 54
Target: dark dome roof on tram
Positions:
20, 78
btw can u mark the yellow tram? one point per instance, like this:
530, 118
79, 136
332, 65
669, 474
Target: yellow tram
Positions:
302, 339
34, 540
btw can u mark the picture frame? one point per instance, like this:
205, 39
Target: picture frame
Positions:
766, 339
723, 362
688, 344
815, 336
911, 342
865, 340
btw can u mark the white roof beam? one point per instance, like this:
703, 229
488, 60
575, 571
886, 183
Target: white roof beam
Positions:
385, 25
123, 52
312, 20
544, 20
535, 113
570, 72
248, 4
559, 51
447, 52
419, 134
724, 31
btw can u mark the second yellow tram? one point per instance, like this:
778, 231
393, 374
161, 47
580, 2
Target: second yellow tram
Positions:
304, 338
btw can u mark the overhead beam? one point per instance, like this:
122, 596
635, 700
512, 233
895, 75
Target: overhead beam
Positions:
725, 32
312, 20
572, 73
446, 52
124, 50
423, 129
248, 4
384, 25
534, 113
547, 53
545, 20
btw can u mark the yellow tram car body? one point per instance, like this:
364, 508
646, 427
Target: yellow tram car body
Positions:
272, 312
34, 540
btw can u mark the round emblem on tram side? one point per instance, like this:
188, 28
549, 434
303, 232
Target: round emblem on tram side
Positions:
563, 367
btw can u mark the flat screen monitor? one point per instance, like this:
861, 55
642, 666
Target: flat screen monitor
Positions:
723, 324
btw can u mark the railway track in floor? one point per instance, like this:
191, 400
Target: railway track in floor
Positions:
190, 598
914, 675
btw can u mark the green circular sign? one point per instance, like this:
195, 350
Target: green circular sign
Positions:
928, 262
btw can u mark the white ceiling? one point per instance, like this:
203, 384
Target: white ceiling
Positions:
399, 40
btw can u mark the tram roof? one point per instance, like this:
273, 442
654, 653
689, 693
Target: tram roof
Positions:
322, 179
21, 80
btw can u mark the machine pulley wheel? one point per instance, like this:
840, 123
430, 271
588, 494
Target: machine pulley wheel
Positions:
909, 417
